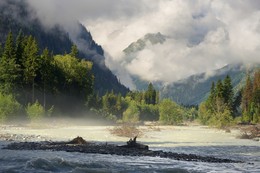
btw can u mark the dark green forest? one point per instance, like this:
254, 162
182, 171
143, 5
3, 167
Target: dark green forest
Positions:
29, 78
17, 15
222, 108
36, 83
44, 75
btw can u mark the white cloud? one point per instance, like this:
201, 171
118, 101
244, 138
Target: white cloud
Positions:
204, 34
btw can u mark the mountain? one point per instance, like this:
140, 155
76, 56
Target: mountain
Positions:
195, 89
131, 52
189, 91
16, 15
148, 39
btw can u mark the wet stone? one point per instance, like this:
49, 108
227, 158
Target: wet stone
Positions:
131, 149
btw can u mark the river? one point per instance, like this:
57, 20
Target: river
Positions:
199, 140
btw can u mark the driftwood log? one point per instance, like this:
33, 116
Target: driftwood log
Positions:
133, 144
132, 148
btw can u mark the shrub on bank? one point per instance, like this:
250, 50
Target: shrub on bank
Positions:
9, 107
35, 111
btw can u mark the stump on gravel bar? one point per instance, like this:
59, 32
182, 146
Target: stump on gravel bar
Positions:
133, 144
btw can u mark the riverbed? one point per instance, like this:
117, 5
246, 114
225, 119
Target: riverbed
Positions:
200, 140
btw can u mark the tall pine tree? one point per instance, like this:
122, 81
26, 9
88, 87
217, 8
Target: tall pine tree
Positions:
211, 101
247, 94
1, 50
31, 63
74, 51
150, 95
255, 105
228, 94
46, 72
8, 66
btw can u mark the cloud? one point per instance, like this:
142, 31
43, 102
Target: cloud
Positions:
53, 12
203, 34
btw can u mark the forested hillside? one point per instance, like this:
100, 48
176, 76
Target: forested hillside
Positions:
223, 108
195, 89
17, 16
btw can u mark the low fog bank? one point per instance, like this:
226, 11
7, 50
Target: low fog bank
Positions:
55, 122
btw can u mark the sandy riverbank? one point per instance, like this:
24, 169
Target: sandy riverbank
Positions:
166, 136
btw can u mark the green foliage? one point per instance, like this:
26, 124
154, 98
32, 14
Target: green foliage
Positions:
222, 117
135, 106
75, 74
247, 95
9, 107
94, 102
170, 112
251, 99
9, 50
149, 112
204, 113
228, 94
190, 114
1, 50
8, 67
150, 95
219, 91
35, 111
218, 108
255, 105
74, 51
132, 113
31, 59
31, 76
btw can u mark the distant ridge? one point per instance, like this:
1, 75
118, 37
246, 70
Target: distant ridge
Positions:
195, 89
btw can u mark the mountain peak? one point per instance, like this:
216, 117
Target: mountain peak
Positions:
148, 39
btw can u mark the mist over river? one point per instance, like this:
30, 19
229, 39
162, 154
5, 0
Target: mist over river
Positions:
198, 140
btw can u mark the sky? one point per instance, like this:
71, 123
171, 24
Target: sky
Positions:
203, 35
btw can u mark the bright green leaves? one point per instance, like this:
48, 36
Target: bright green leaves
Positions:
170, 112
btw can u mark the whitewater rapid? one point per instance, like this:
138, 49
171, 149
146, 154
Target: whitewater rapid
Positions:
199, 140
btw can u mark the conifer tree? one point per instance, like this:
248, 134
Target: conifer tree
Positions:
256, 83
9, 51
212, 91
8, 66
247, 94
228, 94
150, 95
216, 109
211, 101
45, 68
19, 48
31, 62
255, 104
74, 51
219, 90
1, 50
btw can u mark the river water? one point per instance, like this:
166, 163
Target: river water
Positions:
187, 139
